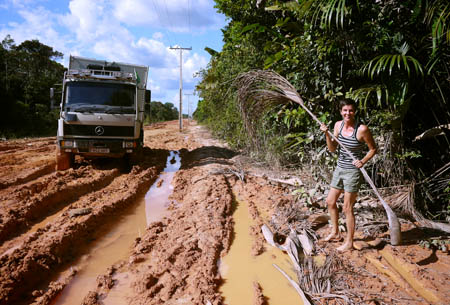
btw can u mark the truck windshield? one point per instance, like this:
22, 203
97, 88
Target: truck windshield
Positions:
100, 94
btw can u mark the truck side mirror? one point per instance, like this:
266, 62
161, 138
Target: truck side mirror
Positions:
148, 101
148, 96
52, 98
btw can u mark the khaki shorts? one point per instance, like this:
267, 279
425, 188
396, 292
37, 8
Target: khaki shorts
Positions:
348, 180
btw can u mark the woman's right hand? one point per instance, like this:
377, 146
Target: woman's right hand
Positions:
324, 128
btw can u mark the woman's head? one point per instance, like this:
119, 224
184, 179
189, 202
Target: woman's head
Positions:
347, 102
347, 110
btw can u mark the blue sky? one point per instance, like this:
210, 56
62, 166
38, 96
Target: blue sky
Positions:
131, 31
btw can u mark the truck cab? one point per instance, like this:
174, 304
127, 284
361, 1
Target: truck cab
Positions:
101, 110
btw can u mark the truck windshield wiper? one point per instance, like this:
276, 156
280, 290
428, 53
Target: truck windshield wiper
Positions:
89, 109
120, 109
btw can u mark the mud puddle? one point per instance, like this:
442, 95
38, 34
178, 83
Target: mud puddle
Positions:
240, 269
156, 199
112, 246
116, 241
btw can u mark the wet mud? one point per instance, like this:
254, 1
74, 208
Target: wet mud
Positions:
50, 220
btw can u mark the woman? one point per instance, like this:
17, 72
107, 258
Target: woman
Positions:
347, 176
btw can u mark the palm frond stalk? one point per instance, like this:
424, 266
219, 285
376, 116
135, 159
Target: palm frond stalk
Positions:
261, 90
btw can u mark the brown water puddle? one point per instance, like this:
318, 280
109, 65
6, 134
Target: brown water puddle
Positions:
156, 199
240, 269
110, 248
115, 243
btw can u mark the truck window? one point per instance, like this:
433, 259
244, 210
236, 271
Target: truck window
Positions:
95, 93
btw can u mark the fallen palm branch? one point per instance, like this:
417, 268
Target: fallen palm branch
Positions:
409, 209
295, 285
261, 90
405, 198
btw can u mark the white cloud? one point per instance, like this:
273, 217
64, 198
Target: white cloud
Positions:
38, 23
175, 15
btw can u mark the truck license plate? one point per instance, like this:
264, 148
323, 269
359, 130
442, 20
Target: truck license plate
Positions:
99, 150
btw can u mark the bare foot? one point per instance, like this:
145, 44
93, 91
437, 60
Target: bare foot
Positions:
345, 247
333, 236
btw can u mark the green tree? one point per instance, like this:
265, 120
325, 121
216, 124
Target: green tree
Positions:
160, 112
29, 71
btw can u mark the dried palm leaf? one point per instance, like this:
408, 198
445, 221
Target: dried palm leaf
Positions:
261, 90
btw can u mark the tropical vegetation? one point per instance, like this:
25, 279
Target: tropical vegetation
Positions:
391, 56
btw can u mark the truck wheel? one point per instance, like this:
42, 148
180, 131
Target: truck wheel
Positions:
64, 160
135, 157
141, 138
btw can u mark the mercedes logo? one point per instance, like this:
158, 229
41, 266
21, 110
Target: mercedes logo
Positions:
99, 130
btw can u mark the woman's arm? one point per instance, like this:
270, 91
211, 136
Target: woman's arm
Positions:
364, 135
331, 143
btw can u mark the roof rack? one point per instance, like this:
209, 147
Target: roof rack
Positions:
101, 74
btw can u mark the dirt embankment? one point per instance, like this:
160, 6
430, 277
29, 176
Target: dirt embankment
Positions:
47, 218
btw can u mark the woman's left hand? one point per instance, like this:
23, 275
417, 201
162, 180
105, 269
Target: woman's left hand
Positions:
358, 163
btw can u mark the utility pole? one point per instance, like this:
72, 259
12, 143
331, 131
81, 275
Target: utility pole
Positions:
181, 83
188, 94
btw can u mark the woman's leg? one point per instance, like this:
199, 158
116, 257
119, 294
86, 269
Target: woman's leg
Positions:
333, 196
349, 201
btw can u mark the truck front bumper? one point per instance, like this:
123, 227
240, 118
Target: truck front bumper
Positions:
97, 147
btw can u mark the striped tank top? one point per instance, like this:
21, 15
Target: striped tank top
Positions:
353, 145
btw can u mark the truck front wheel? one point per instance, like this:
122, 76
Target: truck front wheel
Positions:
64, 160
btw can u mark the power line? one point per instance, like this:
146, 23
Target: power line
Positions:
189, 20
163, 25
167, 14
189, 16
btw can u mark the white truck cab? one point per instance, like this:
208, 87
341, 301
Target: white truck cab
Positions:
102, 110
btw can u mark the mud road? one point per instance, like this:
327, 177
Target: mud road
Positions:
54, 225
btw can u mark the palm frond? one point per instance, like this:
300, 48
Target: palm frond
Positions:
363, 94
258, 92
323, 13
387, 62
437, 16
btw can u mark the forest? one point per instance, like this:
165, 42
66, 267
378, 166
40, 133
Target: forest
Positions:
28, 71
392, 57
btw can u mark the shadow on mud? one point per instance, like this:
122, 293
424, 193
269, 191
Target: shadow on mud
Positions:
414, 235
206, 155
146, 158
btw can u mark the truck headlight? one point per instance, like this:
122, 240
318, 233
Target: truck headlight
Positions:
67, 144
127, 144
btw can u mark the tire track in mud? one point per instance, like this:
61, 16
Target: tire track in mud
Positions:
28, 175
22, 161
43, 251
175, 261
28, 203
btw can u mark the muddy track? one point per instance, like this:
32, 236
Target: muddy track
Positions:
49, 220
22, 161
29, 203
91, 198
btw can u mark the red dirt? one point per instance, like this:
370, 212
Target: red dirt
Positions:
176, 260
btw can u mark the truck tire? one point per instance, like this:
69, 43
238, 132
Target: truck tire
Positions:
135, 157
64, 160
141, 138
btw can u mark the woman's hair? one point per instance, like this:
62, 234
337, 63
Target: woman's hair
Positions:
345, 102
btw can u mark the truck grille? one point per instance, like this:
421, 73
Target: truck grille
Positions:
90, 130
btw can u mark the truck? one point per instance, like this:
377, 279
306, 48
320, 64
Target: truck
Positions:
101, 111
